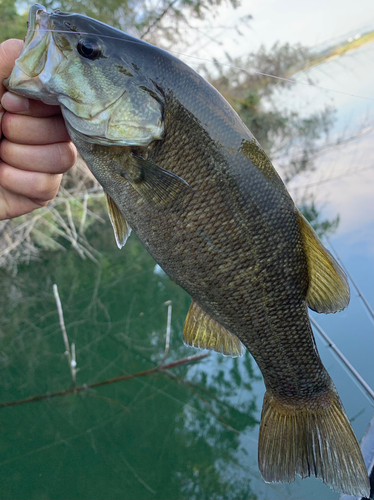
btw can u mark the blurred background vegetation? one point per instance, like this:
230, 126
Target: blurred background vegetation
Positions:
290, 140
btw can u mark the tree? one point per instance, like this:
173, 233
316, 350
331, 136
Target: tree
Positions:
12, 23
291, 141
148, 19
143, 18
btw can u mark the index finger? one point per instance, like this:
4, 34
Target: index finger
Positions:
9, 52
23, 106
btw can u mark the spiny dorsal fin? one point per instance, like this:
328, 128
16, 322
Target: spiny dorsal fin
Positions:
121, 229
204, 332
328, 290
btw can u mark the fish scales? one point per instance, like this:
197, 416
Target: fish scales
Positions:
181, 169
246, 292
231, 269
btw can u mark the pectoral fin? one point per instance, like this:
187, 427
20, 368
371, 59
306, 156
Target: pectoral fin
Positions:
155, 184
204, 332
120, 226
328, 290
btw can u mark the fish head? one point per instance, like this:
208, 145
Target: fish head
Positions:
82, 65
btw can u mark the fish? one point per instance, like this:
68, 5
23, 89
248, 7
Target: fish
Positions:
179, 168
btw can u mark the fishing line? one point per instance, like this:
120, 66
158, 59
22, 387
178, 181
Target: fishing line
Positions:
289, 80
360, 294
348, 367
330, 179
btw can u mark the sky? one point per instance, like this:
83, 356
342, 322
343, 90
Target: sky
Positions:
294, 21
311, 23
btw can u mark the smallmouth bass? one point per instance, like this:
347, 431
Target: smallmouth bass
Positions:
180, 168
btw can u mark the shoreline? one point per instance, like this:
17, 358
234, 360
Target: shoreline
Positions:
338, 51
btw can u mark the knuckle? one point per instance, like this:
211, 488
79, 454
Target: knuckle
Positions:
41, 203
7, 124
6, 177
64, 156
47, 188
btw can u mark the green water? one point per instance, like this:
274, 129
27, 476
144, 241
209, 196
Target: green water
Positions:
164, 436
190, 433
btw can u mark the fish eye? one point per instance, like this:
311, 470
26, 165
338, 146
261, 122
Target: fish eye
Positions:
89, 48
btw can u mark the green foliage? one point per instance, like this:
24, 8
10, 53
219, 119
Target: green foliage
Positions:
12, 22
153, 20
320, 225
290, 140
147, 19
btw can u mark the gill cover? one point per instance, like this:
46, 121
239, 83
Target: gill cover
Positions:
135, 118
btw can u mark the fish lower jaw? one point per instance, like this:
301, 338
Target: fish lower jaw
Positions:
28, 87
49, 99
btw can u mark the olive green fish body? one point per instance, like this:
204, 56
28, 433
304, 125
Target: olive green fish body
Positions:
180, 168
239, 255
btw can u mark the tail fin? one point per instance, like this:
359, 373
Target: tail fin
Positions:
314, 439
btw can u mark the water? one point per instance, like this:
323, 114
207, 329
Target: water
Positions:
191, 433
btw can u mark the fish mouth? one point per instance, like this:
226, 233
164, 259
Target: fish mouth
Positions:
38, 18
38, 59
33, 57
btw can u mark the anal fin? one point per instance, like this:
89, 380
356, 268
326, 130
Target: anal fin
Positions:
204, 332
120, 226
328, 290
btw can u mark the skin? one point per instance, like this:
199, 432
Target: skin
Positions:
35, 148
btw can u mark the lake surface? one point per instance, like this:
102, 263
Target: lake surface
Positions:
190, 433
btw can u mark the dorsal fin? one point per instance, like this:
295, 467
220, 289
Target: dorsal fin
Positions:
202, 331
120, 226
328, 290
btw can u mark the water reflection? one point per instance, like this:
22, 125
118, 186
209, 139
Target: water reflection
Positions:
175, 435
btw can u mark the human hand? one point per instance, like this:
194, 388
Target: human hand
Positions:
35, 149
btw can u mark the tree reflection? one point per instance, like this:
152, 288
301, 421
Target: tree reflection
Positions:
167, 436
212, 423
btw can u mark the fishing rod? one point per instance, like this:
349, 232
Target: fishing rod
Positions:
368, 390
360, 294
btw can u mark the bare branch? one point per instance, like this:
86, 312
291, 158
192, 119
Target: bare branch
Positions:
72, 362
120, 378
158, 19
167, 340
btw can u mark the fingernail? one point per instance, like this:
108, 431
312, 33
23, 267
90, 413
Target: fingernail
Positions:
15, 103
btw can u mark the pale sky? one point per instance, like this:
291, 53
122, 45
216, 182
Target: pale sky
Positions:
295, 21
310, 23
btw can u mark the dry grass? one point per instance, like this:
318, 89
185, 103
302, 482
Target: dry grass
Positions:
79, 203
